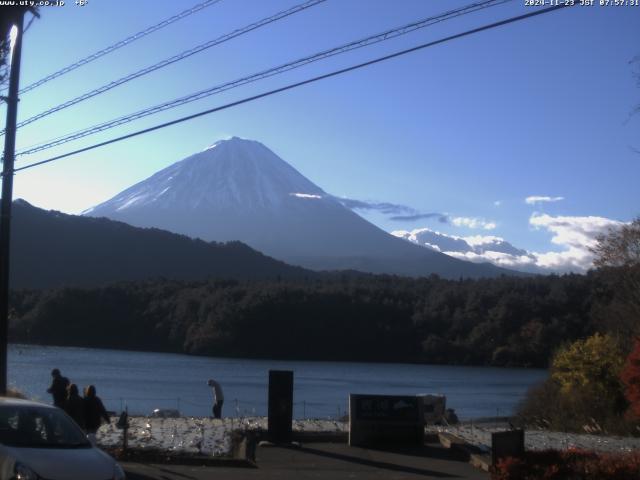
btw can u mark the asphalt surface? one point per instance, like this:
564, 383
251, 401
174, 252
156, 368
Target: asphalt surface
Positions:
325, 461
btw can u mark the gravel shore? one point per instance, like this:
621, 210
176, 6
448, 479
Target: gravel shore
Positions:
208, 436
197, 435
480, 435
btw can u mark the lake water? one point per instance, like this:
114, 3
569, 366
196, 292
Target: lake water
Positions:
143, 381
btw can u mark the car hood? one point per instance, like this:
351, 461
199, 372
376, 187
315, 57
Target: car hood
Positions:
65, 463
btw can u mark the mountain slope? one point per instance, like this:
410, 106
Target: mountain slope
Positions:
51, 249
240, 190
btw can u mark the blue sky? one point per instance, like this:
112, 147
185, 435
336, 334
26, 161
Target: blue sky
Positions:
468, 129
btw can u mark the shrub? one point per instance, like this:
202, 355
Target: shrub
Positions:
539, 407
570, 464
584, 391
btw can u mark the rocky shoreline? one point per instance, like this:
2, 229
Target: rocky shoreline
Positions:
198, 435
479, 434
211, 437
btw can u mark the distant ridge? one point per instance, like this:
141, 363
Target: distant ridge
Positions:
238, 189
51, 249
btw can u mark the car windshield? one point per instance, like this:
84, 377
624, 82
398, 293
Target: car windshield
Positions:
39, 427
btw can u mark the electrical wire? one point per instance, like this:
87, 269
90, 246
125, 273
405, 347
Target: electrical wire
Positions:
33, 17
168, 61
370, 40
299, 84
120, 44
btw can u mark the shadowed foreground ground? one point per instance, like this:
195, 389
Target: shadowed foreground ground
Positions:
325, 461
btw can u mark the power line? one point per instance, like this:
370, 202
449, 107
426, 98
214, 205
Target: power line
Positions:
120, 44
370, 40
299, 84
168, 61
33, 17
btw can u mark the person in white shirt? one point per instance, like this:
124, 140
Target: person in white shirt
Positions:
218, 398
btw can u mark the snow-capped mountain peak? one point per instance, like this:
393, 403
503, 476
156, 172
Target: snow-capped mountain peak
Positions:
233, 173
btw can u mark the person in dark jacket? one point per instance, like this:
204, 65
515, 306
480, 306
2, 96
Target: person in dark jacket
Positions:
74, 405
94, 411
58, 388
218, 398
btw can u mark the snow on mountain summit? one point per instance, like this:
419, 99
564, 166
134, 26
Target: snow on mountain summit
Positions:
233, 173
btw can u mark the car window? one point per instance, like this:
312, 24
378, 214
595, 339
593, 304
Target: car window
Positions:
29, 426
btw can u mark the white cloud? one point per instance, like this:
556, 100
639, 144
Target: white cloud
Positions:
532, 200
517, 262
476, 240
497, 203
574, 231
471, 222
434, 240
575, 235
571, 260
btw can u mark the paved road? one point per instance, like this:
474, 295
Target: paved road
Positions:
325, 461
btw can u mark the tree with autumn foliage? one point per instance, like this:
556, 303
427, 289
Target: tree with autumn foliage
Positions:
590, 369
591, 365
591, 386
618, 257
630, 377
584, 391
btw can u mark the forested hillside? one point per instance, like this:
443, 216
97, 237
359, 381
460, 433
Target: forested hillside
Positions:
52, 249
503, 321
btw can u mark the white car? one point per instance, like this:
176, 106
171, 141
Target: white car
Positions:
41, 442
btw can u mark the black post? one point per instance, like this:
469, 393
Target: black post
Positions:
7, 197
280, 418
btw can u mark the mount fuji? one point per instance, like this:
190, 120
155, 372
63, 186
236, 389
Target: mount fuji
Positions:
238, 189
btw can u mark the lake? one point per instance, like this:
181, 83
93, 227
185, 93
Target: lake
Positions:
143, 381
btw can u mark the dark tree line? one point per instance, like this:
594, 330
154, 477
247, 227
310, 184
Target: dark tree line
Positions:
506, 321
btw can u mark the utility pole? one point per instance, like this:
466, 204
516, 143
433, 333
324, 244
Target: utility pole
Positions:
7, 195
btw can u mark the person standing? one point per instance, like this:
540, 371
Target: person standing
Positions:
218, 398
74, 405
94, 412
58, 388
